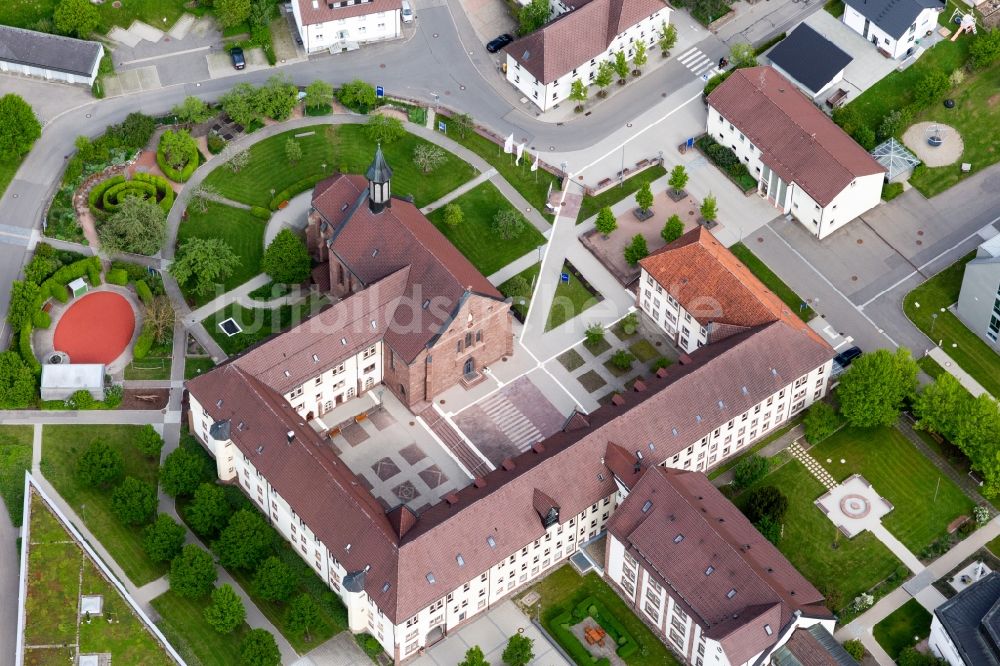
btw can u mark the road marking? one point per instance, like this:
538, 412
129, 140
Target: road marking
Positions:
166, 55
831, 285
926, 264
698, 63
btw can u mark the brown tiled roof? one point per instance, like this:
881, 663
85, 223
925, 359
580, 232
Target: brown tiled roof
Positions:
504, 506
710, 556
797, 140
714, 286
373, 245
809, 651
579, 36
328, 338
320, 11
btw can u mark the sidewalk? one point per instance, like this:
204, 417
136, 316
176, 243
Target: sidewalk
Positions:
768, 451
964, 378
459, 191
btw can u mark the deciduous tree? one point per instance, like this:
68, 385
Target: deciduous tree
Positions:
644, 197
639, 58
874, 389
19, 128
192, 110
178, 148
240, 104
507, 224
205, 193
17, 382
453, 215
769, 528
462, 123
765, 501
274, 580
192, 573
533, 16
318, 94
820, 422
276, 98
159, 316
672, 229
76, 17
749, 470
667, 38
201, 263
99, 466
358, 96
134, 501
474, 657
985, 48
139, 226
427, 157
384, 129
302, 616
636, 250
259, 649
605, 75
208, 511
163, 539
578, 93
245, 541
709, 209
226, 612
182, 472
621, 67
293, 151
519, 650
261, 12
606, 221
286, 259
742, 54
231, 12
678, 179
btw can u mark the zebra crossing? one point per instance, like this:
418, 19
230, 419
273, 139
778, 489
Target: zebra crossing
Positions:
515, 426
699, 63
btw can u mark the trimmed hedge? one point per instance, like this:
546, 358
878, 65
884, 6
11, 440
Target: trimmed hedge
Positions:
293, 189
559, 626
182, 175
726, 160
24, 347
164, 192
108, 195
260, 212
41, 319
612, 625
143, 343
116, 276
96, 195
144, 292
59, 292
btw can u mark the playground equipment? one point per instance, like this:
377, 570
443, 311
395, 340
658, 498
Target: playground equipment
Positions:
966, 23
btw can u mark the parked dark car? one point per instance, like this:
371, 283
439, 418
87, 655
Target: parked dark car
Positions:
236, 53
846, 357
498, 43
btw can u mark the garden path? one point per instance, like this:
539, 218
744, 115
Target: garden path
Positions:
458, 191
221, 301
772, 449
964, 378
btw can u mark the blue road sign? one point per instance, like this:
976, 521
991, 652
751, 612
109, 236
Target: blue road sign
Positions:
442, 127
690, 142
564, 277
379, 91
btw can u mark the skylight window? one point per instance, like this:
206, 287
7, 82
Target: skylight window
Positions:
678, 538
709, 570
315, 358
430, 578
374, 325
745, 391
731, 593
426, 304
260, 449
343, 341
647, 506
674, 430
385, 588
287, 373
460, 560
768, 630
491, 541
218, 403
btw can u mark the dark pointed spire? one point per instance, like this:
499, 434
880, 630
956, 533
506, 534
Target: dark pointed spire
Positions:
379, 172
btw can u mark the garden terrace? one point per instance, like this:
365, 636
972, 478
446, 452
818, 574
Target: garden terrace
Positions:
58, 574
474, 235
970, 352
269, 179
106, 196
593, 203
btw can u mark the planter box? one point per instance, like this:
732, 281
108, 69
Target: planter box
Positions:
642, 215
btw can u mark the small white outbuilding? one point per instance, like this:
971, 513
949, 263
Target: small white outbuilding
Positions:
60, 381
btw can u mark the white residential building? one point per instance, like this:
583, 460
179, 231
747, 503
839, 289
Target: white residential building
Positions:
804, 164
343, 25
979, 299
895, 27
965, 630
49, 57
544, 64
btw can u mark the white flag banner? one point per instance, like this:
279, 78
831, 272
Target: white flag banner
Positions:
534, 166
520, 152
508, 145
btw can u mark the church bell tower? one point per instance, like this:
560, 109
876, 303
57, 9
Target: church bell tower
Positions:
379, 174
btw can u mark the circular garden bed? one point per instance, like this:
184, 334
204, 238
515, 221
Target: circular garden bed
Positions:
106, 196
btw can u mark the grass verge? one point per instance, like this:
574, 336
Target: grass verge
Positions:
904, 627
571, 298
182, 621
15, 460
258, 324
773, 282
521, 303
592, 204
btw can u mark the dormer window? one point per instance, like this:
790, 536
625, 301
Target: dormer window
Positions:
731, 593
709, 570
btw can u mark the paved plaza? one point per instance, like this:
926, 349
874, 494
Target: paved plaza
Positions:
854, 506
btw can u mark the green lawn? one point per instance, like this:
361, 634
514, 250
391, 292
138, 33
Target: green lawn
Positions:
29, 13
533, 185
592, 204
772, 281
475, 238
925, 500
61, 446
241, 230
257, 324
521, 303
976, 116
994, 546
564, 588
8, 168
343, 148
15, 460
896, 90
156, 365
58, 573
972, 354
571, 299
182, 622
904, 627
196, 365
839, 567
930, 366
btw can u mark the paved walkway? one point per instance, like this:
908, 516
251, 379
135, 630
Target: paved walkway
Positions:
812, 465
772, 449
517, 266
964, 378
459, 191
221, 301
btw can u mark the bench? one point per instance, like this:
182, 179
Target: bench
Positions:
604, 183
641, 163
837, 98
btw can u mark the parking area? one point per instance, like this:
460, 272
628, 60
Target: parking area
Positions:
132, 81
489, 18
221, 64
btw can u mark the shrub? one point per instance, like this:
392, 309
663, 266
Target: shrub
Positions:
177, 155
117, 276
820, 422
192, 573
750, 470
384, 129
24, 347
41, 319
143, 291
295, 188
134, 501
891, 190
594, 334
855, 648
96, 195
163, 539
453, 215
622, 359
143, 343
507, 224
17, 382
369, 644
99, 465
636, 250
260, 212
357, 96
58, 291
164, 192
286, 258
765, 501
216, 144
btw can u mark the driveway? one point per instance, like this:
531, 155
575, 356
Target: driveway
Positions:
489, 18
490, 632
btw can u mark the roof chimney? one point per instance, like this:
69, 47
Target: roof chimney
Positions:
538, 447
507, 464
291, 436
639, 386
479, 482
617, 400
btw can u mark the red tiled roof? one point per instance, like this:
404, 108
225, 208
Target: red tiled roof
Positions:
320, 11
326, 494
373, 245
714, 286
797, 140
578, 36
689, 528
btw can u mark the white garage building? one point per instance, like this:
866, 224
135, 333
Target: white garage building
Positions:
49, 57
